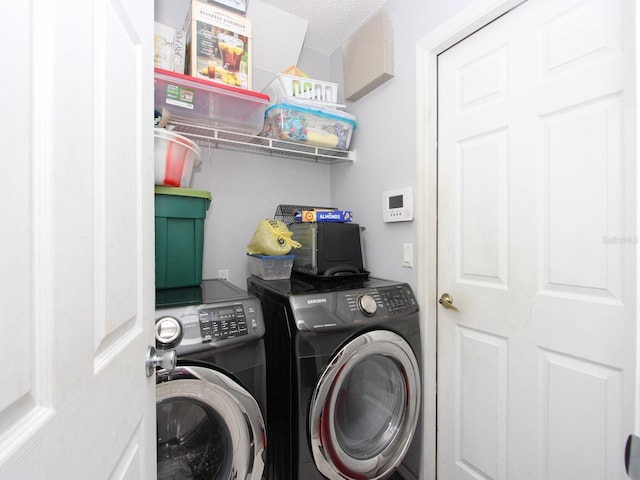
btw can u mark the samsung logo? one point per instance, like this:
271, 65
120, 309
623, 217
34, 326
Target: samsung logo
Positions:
316, 300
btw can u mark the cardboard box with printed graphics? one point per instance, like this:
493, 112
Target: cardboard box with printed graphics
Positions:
218, 45
169, 48
339, 216
238, 5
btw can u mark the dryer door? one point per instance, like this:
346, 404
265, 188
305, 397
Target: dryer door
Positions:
208, 427
364, 410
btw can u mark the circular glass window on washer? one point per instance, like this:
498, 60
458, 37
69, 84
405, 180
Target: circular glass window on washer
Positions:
193, 441
370, 406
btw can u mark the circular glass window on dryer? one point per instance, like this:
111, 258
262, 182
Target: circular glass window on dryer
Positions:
365, 407
370, 406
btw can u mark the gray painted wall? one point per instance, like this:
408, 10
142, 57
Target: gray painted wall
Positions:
247, 187
385, 140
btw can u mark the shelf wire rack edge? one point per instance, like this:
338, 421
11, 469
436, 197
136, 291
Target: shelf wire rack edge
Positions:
218, 138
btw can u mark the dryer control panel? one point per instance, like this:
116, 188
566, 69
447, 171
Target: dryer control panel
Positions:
364, 306
399, 300
391, 301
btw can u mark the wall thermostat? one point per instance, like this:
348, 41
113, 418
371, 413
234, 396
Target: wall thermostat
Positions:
397, 205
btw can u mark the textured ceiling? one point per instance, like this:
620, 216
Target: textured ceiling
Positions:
331, 22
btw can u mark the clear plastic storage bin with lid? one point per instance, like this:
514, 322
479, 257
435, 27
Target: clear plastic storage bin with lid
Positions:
309, 123
271, 267
216, 105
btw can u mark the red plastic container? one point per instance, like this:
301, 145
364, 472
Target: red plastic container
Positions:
175, 157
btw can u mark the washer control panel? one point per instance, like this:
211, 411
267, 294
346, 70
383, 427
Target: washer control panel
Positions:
218, 323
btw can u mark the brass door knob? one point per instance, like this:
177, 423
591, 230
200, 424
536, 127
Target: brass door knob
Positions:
446, 301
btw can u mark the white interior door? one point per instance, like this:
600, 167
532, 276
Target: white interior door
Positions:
77, 226
537, 244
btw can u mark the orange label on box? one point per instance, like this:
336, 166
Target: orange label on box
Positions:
339, 216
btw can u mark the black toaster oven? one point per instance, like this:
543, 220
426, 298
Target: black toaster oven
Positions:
328, 249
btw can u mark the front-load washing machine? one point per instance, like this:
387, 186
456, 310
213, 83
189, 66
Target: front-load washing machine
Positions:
343, 369
211, 407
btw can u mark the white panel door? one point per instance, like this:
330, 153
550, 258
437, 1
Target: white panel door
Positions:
76, 263
537, 244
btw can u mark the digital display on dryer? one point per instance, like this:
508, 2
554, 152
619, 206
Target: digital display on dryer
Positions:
398, 300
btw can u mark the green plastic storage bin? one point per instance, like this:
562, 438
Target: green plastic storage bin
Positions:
180, 214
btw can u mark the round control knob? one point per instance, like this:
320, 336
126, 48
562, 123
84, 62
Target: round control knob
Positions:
367, 304
168, 330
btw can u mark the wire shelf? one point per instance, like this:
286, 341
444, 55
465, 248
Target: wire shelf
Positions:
226, 139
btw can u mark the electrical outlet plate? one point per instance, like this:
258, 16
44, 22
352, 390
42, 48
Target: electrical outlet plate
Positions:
397, 205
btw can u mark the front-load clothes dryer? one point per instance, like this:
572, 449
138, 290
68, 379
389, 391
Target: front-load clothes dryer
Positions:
211, 408
343, 369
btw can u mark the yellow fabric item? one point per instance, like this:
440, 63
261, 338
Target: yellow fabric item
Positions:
322, 139
272, 237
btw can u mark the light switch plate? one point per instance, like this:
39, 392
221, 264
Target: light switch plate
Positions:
407, 255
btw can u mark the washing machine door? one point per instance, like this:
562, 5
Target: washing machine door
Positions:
364, 410
208, 427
